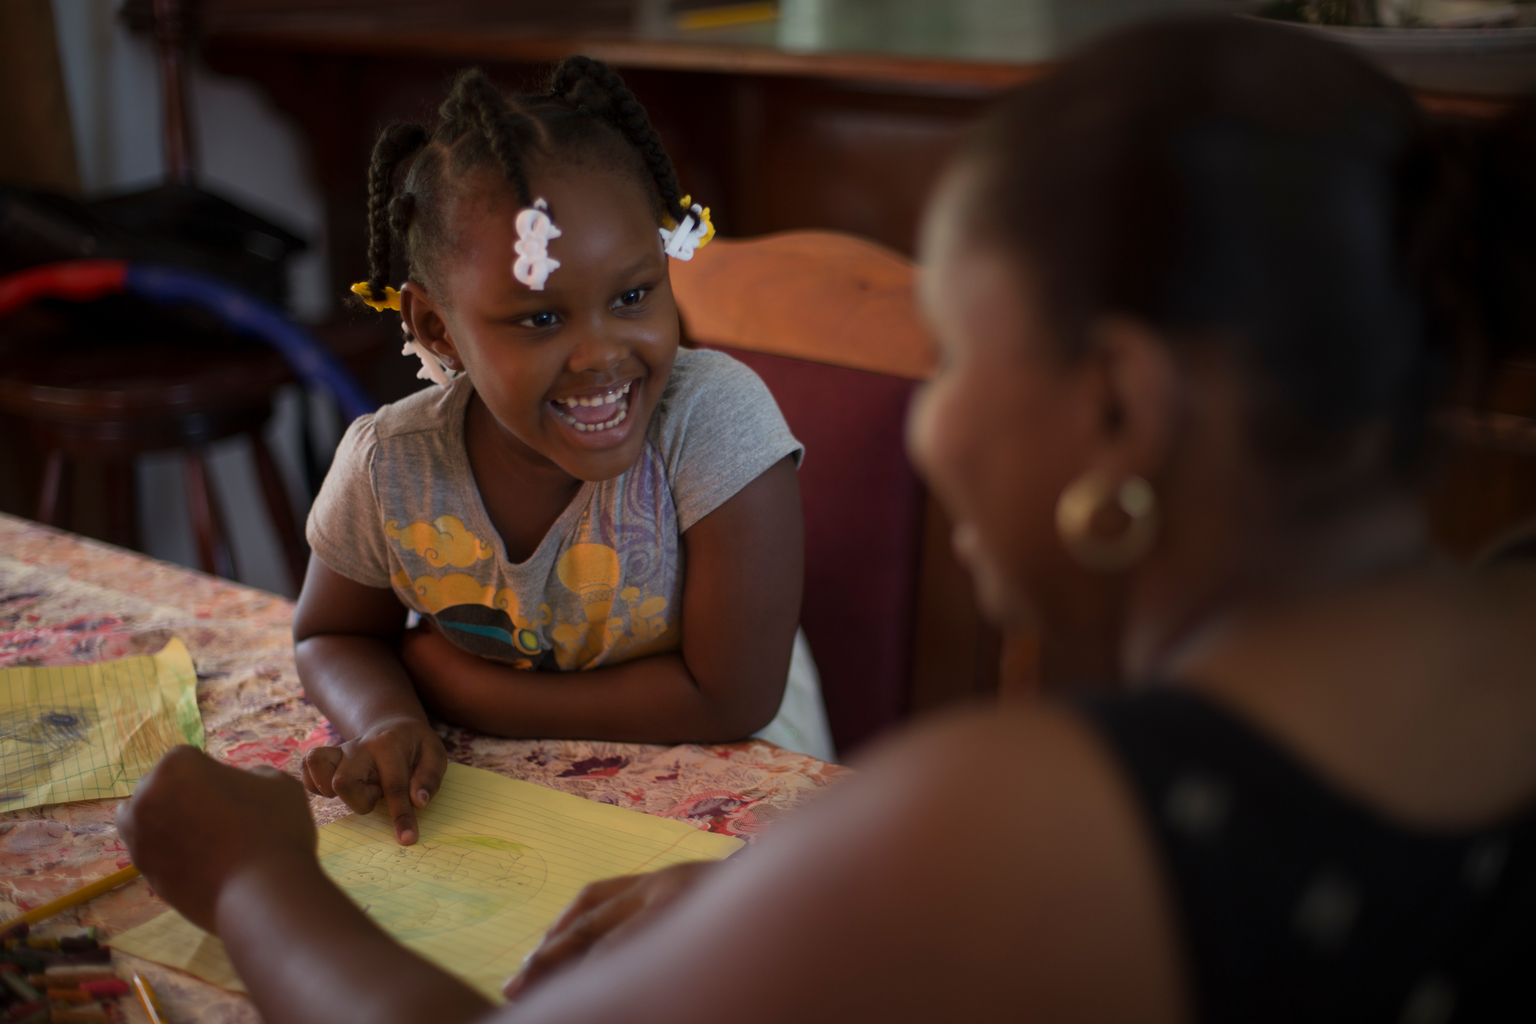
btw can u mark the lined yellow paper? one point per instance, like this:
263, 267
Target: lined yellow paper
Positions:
86, 732
497, 861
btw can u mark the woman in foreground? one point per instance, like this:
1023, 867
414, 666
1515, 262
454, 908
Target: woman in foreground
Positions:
1191, 296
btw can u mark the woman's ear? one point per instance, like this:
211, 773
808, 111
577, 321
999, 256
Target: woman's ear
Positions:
424, 319
1140, 393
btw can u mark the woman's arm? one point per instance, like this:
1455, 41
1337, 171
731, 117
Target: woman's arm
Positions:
741, 606
344, 635
988, 868
234, 851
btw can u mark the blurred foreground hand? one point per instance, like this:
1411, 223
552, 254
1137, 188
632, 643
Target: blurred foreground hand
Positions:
193, 824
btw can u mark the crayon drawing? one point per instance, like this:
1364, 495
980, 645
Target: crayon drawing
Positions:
441, 884
33, 741
87, 732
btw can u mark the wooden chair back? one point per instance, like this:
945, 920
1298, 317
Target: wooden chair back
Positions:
829, 322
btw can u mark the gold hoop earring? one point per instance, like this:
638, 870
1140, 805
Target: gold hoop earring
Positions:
1084, 498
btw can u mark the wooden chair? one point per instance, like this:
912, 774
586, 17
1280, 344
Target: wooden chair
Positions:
829, 322
107, 402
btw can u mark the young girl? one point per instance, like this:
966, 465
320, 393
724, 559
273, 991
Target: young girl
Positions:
539, 507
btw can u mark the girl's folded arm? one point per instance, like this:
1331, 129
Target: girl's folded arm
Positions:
345, 635
741, 606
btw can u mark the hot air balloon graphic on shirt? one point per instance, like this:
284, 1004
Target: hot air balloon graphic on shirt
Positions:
592, 571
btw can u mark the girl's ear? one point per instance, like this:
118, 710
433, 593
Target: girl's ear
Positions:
422, 316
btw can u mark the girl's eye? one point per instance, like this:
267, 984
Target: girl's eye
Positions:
630, 298
539, 320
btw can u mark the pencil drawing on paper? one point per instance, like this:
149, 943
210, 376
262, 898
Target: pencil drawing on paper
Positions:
440, 884
34, 742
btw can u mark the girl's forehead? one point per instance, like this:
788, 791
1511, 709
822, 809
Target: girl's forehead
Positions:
606, 219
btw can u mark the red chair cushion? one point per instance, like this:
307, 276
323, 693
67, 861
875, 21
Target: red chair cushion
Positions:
863, 536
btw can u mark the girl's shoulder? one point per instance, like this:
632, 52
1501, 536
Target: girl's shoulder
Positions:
711, 391
434, 409
716, 429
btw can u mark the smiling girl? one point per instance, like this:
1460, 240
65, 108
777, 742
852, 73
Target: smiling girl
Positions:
539, 506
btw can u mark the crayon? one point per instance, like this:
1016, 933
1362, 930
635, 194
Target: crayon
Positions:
147, 998
15, 931
20, 986
78, 943
99, 955
73, 974
69, 995
43, 942
110, 987
73, 899
89, 1013
28, 1012
22, 961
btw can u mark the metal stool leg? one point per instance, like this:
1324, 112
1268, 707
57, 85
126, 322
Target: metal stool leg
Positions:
50, 500
212, 550
294, 548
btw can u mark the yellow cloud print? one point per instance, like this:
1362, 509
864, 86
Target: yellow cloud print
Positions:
457, 588
443, 541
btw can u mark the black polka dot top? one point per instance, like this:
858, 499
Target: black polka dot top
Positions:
1299, 904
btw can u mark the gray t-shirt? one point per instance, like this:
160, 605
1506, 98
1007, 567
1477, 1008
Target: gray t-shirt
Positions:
400, 509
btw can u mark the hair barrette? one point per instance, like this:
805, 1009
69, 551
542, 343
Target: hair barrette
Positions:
391, 298
534, 230
432, 367
680, 240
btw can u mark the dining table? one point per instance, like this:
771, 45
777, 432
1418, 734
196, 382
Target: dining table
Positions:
69, 600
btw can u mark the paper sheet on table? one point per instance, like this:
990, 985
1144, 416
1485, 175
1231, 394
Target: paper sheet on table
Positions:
87, 732
497, 861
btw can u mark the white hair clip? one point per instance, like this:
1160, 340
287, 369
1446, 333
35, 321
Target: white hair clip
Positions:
680, 240
534, 230
432, 367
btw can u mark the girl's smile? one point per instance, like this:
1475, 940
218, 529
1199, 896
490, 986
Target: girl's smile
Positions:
600, 415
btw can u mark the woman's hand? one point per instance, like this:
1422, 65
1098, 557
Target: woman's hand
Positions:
399, 759
603, 912
192, 824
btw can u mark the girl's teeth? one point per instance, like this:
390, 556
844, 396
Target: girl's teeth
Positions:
606, 399
617, 419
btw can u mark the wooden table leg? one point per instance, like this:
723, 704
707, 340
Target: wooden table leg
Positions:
294, 548
122, 504
212, 550
50, 499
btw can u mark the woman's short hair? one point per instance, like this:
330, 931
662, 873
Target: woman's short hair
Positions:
1254, 186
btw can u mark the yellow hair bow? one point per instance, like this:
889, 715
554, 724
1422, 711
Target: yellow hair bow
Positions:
391, 297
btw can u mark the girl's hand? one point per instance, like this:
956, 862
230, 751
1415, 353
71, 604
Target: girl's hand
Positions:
192, 824
399, 759
604, 911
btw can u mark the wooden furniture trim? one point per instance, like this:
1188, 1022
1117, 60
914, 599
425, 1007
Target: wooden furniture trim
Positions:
787, 294
508, 43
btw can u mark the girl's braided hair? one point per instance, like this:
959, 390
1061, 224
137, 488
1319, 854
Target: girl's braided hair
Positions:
587, 113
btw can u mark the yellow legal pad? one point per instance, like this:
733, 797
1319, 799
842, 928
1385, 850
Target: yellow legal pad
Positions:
497, 861
87, 732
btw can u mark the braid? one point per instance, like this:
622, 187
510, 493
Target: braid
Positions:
396, 143
476, 104
621, 109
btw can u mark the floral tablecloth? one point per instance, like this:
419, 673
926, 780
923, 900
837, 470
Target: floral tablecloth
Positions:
66, 600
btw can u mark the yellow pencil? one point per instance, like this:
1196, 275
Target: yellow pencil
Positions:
79, 896
147, 997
